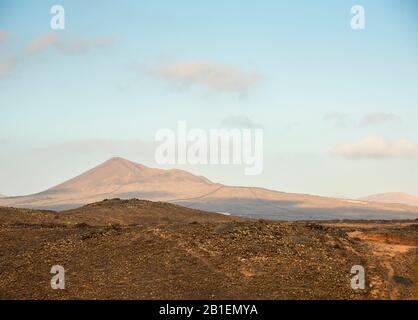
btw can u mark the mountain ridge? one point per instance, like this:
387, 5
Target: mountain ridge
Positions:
121, 178
393, 197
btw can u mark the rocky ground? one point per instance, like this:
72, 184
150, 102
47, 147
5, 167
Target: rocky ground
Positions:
188, 254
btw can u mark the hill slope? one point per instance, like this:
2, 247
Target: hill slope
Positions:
393, 197
110, 212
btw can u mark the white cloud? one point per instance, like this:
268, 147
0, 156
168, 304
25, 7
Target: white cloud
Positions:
378, 148
378, 119
209, 75
65, 44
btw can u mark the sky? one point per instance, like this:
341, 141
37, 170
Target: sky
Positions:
338, 107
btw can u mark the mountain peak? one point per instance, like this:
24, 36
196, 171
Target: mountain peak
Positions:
121, 161
121, 178
118, 160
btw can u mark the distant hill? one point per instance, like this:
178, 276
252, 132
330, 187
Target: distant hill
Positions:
113, 212
120, 178
117, 178
393, 197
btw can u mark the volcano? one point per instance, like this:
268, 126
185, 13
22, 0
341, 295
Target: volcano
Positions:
123, 179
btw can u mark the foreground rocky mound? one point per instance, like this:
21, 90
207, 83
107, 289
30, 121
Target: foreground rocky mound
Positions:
114, 211
216, 258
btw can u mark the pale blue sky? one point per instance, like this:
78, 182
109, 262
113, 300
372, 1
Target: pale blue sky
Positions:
319, 84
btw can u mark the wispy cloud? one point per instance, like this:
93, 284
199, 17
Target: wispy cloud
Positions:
210, 75
378, 119
342, 120
240, 122
63, 43
66, 44
377, 148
